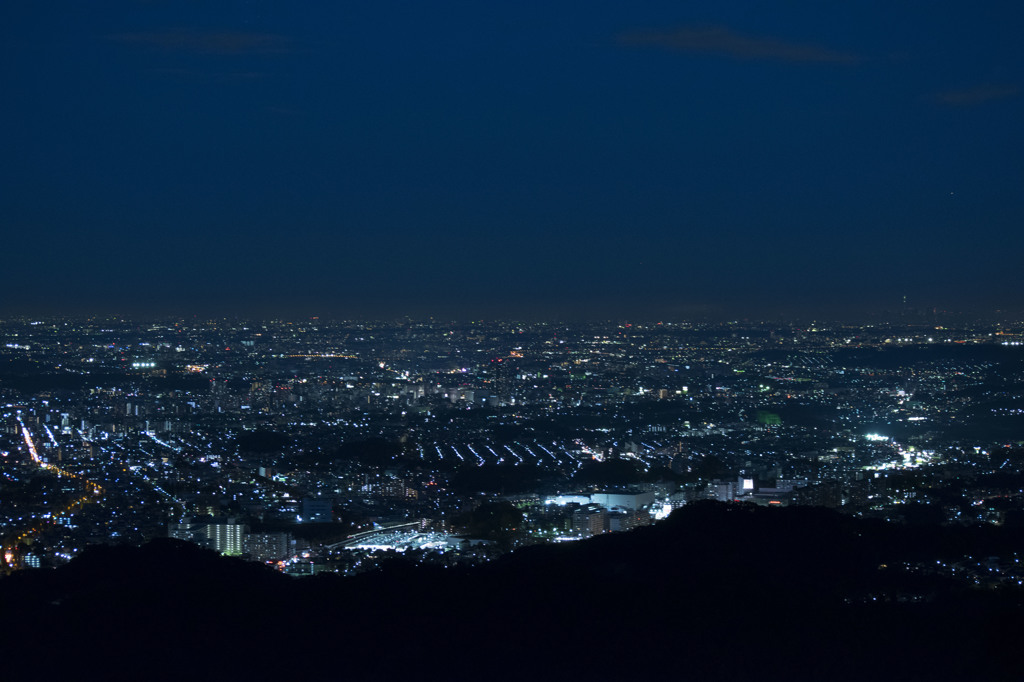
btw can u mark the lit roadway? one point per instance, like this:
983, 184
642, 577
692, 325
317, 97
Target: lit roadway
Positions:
16, 537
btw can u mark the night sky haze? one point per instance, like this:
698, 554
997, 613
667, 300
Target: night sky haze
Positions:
526, 159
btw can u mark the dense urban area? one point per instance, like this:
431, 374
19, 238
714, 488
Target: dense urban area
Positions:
333, 446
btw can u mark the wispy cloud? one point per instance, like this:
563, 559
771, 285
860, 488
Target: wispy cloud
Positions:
227, 42
202, 76
721, 40
978, 95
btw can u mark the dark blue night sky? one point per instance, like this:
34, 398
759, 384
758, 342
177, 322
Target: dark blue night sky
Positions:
521, 158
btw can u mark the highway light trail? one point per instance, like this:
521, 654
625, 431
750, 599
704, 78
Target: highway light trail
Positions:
89, 493
30, 444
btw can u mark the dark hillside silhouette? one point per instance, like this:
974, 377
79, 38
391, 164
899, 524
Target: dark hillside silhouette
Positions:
794, 594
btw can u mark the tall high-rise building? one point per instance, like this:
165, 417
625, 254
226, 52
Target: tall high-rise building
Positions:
227, 538
267, 546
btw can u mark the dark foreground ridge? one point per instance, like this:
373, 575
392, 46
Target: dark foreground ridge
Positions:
714, 592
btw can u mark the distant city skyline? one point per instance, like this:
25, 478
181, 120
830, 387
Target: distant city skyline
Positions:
595, 311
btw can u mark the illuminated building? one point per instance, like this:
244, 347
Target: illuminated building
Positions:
226, 538
267, 546
589, 520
